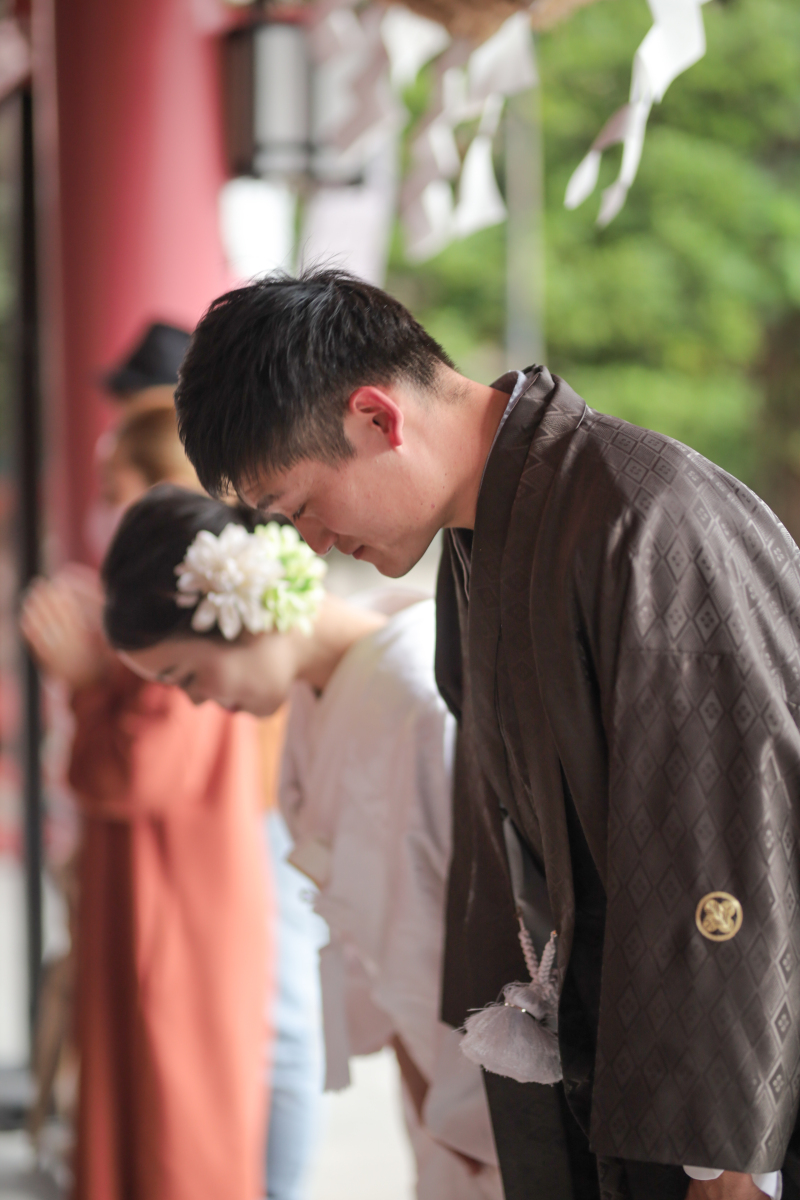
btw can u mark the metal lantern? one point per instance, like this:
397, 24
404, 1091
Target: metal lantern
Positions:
268, 100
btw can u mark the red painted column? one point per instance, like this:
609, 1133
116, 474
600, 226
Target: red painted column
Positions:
140, 168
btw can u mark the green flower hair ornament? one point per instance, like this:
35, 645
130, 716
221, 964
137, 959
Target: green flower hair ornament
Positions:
260, 581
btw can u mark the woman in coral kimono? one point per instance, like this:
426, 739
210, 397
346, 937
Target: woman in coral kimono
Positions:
172, 945
196, 598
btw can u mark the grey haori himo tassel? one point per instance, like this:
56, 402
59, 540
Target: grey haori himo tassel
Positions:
517, 1036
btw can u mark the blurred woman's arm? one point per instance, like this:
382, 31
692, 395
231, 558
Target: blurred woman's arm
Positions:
63, 634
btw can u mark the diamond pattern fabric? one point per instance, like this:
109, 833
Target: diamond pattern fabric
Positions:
634, 616
703, 784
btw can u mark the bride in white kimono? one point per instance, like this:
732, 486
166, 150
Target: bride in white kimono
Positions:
365, 791
366, 788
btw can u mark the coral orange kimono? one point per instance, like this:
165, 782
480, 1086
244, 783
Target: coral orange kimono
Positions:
172, 947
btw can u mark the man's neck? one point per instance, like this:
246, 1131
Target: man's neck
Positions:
474, 423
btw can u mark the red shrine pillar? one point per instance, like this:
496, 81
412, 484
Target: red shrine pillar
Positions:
140, 165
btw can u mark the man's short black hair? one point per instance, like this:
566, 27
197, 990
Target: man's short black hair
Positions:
271, 366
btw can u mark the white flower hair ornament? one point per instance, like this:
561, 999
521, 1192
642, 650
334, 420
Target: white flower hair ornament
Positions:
260, 581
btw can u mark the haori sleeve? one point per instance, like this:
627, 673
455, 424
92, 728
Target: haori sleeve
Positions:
699, 1029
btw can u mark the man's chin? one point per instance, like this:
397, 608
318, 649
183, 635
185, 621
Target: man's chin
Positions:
393, 566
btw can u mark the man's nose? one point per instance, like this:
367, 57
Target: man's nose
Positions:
316, 535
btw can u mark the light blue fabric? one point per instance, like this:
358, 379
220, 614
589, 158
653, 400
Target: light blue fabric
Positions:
297, 1068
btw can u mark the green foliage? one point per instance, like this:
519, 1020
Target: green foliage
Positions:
667, 316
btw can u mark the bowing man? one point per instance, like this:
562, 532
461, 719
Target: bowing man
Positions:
618, 636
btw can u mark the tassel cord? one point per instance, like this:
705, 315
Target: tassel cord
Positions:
528, 951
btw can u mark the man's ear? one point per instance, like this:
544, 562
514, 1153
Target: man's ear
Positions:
375, 407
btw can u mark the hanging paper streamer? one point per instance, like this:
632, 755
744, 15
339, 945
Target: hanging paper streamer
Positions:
347, 218
675, 42
479, 201
375, 109
469, 83
504, 64
426, 200
410, 42
334, 29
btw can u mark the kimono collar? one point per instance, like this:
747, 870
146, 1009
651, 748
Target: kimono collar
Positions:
518, 477
500, 386
504, 466
495, 504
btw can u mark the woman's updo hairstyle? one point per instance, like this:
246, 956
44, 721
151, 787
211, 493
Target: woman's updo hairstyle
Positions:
139, 569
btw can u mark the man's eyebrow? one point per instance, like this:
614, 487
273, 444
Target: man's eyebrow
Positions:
266, 502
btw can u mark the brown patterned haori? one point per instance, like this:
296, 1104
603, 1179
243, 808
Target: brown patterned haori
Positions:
620, 637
